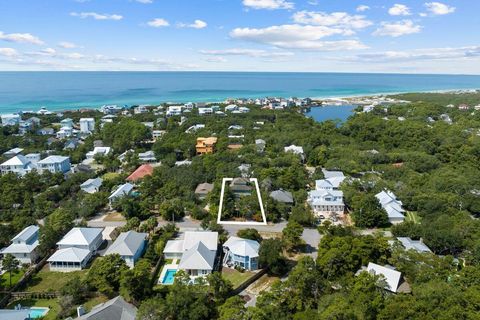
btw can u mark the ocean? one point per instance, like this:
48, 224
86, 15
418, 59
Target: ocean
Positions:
72, 90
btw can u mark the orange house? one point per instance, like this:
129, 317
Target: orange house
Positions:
206, 145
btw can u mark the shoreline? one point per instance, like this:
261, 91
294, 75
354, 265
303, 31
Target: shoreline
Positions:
317, 98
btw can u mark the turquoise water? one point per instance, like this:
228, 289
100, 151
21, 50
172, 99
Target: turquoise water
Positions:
38, 312
169, 276
72, 90
331, 113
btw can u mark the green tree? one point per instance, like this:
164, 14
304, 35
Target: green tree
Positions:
172, 209
292, 235
10, 265
271, 256
250, 233
135, 283
105, 274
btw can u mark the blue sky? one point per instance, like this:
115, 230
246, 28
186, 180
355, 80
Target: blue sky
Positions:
409, 36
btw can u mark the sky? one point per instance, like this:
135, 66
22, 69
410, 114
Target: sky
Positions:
401, 36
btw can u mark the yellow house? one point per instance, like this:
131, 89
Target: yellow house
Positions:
206, 145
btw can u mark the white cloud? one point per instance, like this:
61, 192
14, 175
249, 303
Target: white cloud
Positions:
268, 4
255, 53
158, 23
97, 16
438, 8
197, 24
297, 37
420, 55
67, 45
362, 8
397, 29
335, 19
20, 38
399, 10
144, 1
8, 52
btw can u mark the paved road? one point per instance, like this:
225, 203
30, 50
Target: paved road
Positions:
312, 237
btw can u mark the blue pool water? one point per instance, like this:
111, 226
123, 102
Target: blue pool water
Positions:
169, 276
36, 313
71, 90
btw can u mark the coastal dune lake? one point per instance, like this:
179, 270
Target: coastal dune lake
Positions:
72, 90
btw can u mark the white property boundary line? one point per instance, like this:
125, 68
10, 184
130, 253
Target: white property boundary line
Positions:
245, 223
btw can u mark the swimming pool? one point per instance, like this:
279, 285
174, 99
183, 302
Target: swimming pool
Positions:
169, 276
38, 312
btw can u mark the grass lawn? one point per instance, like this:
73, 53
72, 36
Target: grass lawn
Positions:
45, 280
94, 301
414, 217
114, 216
236, 277
110, 176
16, 276
46, 303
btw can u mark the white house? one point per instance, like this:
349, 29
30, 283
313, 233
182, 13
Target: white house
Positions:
391, 277
68, 123
140, 109
64, 132
120, 191
130, 246
332, 180
174, 111
18, 164
241, 253
75, 249
392, 206
326, 201
205, 111
24, 245
91, 185
295, 150
147, 157
87, 125
54, 164
197, 252
10, 119
104, 151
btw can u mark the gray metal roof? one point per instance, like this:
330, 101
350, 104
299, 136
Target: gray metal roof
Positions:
282, 196
115, 309
6, 314
26, 234
127, 243
197, 258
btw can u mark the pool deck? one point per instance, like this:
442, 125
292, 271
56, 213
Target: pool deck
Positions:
172, 266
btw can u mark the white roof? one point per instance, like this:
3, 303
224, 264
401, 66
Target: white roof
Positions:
18, 160
20, 248
69, 255
209, 239
199, 257
392, 277
127, 243
53, 159
242, 247
295, 149
97, 182
416, 245
26, 233
173, 246
80, 237
332, 174
122, 190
